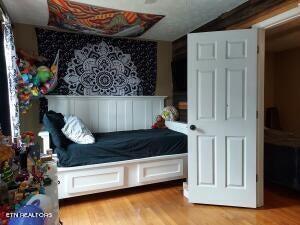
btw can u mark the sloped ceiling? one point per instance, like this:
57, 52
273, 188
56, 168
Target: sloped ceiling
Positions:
181, 16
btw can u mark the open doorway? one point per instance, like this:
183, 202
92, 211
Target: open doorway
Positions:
281, 105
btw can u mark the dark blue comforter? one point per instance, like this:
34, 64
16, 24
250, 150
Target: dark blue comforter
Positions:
123, 145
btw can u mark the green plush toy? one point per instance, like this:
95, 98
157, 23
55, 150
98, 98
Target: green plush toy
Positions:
44, 74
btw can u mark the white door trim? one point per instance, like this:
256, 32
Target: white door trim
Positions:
279, 19
260, 117
262, 26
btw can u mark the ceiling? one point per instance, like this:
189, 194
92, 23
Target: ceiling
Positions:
181, 16
284, 36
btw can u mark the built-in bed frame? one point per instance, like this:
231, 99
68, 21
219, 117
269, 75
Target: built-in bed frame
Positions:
108, 114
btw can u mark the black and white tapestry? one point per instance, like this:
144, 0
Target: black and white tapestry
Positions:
94, 65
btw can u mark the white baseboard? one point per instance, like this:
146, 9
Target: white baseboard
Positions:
185, 190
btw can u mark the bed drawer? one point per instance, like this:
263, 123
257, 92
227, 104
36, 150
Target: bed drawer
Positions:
161, 170
95, 179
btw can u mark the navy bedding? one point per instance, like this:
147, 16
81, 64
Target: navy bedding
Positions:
282, 158
123, 145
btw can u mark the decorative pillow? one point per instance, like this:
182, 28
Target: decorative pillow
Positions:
76, 131
53, 123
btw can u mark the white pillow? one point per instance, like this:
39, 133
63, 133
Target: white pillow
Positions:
76, 131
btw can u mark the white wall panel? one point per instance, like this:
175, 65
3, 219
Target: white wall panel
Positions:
88, 112
66, 106
108, 114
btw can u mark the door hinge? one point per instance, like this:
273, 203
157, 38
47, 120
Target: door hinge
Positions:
256, 177
257, 49
256, 114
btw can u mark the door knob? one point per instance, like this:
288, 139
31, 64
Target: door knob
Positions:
193, 127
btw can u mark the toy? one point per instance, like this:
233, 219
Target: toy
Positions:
22, 176
4, 141
36, 81
170, 113
160, 123
28, 138
44, 74
42, 201
32, 58
23, 186
26, 77
35, 91
3, 192
6, 154
28, 209
3, 210
8, 175
33, 81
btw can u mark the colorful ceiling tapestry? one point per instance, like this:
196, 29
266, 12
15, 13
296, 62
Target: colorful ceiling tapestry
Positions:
94, 19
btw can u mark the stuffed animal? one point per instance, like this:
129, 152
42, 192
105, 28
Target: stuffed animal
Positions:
160, 123
28, 138
6, 154
170, 113
44, 74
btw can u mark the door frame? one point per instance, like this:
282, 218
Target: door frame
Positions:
262, 26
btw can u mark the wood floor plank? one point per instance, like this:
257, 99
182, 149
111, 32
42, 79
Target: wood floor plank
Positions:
164, 204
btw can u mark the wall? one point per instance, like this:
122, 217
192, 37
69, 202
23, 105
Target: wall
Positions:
269, 79
164, 85
282, 87
25, 38
287, 89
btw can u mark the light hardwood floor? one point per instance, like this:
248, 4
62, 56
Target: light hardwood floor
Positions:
164, 204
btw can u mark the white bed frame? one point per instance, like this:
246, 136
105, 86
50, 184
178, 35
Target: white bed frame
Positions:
107, 114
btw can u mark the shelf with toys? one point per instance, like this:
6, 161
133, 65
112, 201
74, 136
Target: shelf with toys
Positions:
28, 184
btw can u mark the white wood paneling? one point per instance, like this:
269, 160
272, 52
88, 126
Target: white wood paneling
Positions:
206, 160
235, 93
206, 94
108, 114
235, 162
85, 110
162, 170
87, 180
82, 180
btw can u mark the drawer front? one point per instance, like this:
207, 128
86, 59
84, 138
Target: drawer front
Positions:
95, 179
162, 170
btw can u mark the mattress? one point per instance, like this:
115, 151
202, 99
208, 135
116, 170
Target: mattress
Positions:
281, 138
123, 145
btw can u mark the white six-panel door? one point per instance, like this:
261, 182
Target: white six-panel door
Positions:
222, 97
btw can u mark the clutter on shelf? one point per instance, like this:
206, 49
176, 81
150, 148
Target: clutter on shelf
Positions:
23, 178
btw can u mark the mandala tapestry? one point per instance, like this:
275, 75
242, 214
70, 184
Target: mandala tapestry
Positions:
94, 19
102, 70
94, 65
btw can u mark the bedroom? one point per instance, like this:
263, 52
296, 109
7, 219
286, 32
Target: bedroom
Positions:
281, 93
117, 77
